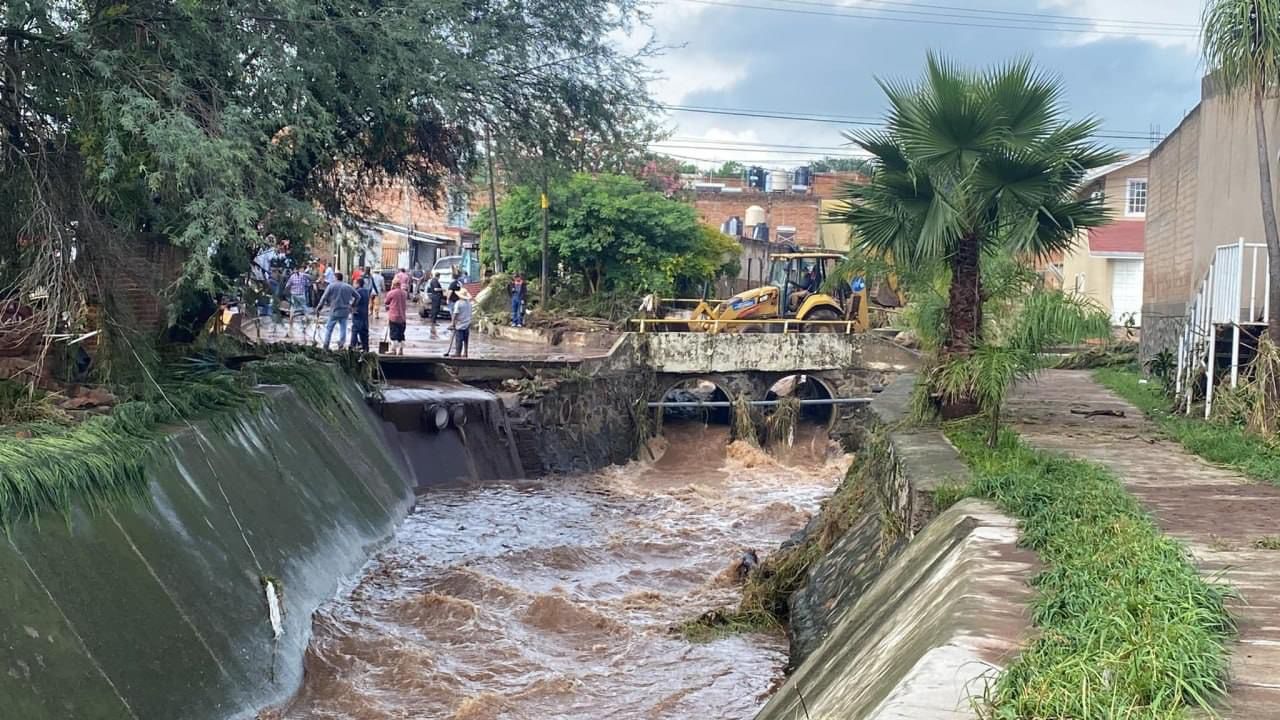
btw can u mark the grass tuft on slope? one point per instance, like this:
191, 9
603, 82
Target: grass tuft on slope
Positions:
102, 460
1224, 444
1127, 627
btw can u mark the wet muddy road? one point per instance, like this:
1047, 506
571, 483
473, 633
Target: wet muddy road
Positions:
554, 599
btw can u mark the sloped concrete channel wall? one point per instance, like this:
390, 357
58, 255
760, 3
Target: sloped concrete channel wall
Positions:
158, 612
908, 612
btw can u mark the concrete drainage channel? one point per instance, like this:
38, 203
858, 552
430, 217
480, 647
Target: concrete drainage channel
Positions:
162, 611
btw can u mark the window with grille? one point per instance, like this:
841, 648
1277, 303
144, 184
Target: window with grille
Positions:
1135, 197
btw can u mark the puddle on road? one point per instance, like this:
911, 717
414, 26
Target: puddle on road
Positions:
553, 599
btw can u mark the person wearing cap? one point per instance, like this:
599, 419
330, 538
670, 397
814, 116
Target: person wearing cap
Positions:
461, 323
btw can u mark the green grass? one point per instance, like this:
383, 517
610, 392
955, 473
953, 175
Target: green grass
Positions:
1220, 443
1127, 628
101, 461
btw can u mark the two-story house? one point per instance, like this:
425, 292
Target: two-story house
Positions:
1105, 264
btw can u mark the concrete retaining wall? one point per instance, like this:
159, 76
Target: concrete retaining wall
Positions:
699, 353
156, 610
904, 615
919, 640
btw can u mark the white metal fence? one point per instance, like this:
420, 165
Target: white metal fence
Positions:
1236, 293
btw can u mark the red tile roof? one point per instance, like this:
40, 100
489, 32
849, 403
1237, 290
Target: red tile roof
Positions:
1122, 236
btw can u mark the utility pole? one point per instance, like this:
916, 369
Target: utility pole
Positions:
546, 204
493, 202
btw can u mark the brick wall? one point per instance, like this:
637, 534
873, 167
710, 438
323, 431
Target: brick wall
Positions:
799, 211
1170, 235
402, 205
827, 185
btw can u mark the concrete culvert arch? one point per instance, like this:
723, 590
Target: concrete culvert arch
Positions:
805, 387
695, 390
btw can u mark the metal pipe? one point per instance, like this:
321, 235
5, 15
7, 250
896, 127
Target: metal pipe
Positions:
755, 403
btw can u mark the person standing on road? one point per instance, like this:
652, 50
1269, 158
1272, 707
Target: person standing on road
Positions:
517, 289
435, 293
360, 316
375, 290
397, 301
461, 323
455, 285
339, 297
298, 285
406, 282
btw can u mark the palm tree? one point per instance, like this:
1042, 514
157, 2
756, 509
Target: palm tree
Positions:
972, 164
1242, 47
1025, 321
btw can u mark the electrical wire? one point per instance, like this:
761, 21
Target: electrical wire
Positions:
1008, 24
1042, 15
852, 120
1036, 21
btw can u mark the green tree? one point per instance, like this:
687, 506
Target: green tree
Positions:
973, 164
611, 234
1023, 321
212, 125
841, 164
732, 168
1242, 47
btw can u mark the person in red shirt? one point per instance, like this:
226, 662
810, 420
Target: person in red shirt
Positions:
397, 303
406, 282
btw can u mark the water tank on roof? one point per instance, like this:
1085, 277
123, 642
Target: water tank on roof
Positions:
733, 226
803, 177
779, 181
755, 216
756, 177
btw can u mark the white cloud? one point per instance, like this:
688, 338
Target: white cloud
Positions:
685, 72
1136, 14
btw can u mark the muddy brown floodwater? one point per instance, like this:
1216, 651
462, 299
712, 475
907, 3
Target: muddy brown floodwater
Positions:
554, 599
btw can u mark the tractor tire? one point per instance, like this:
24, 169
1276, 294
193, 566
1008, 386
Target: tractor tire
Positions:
823, 314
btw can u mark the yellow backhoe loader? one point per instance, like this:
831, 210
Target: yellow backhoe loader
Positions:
794, 292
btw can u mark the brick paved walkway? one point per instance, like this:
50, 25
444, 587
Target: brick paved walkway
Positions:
1217, 512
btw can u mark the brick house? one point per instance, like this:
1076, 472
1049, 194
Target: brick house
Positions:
401, 228
793, 218
1106, 263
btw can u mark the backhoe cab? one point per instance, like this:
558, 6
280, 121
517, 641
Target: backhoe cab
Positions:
794, 292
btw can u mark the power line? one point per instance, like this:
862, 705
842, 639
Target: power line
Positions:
1009, 24
1047, 16
752, 143
1035, 21
851, 120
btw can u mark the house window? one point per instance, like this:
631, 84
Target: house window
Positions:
1135, 197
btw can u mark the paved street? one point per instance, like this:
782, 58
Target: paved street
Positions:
421, 339
1218, 513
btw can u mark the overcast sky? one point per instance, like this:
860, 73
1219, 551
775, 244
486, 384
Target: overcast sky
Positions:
1132, 63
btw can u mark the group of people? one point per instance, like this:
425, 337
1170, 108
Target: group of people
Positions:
352, 304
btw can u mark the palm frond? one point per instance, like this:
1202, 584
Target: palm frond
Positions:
1052, 317
1241, 43
1028, 100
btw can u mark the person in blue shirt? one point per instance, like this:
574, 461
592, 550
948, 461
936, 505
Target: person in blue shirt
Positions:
518, 288
360, 316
